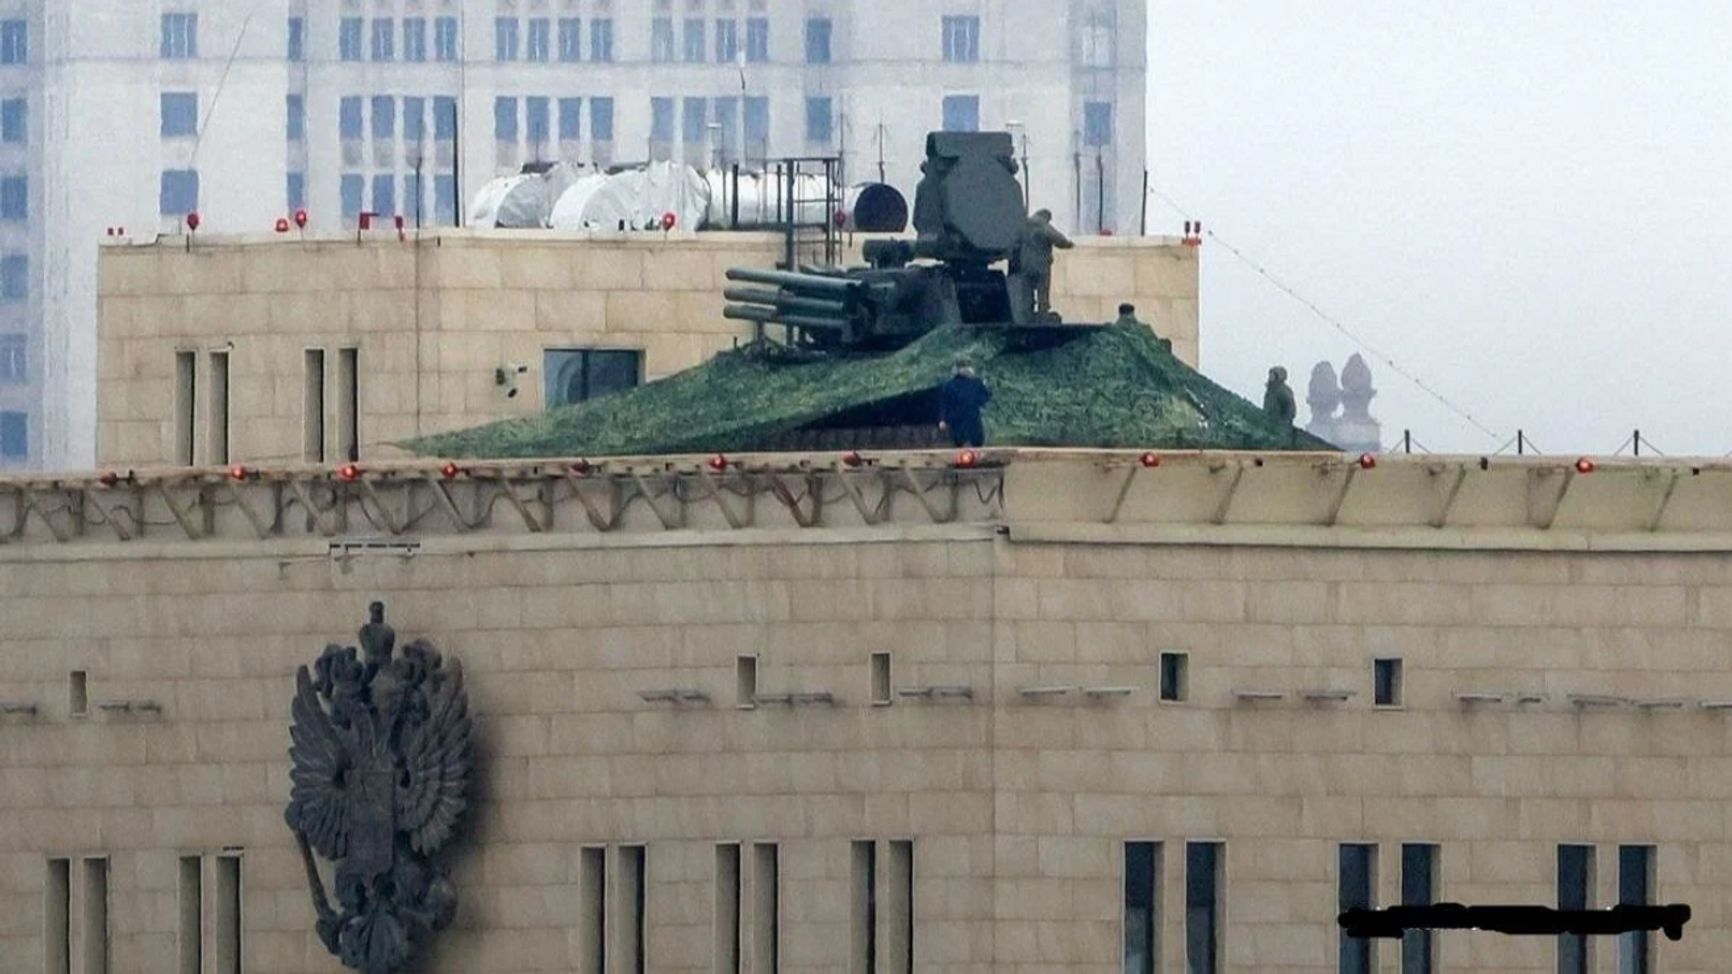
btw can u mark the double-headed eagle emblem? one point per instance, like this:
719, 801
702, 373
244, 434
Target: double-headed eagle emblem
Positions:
381, 769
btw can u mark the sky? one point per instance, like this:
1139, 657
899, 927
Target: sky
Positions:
1526, 205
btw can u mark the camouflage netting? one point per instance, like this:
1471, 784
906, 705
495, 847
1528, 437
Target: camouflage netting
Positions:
1114, 387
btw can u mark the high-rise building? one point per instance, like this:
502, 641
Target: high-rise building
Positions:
122, 116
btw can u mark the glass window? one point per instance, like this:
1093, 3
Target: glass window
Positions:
351, 188
820, 120
570, 119
179, 114
505, 119
412, 197
349, 118
1418, 888
179, 192
295, 117
14, 198
385, 194
662, 119
14, 434
1636, 888
445, 39
179, 36
1575, 892
1142, 899
1097, 123
536, 120
961, 113
694, 40
414, 119
601, 39
728, 130
1202, 907
445, 118
295, 191
1357, 889
758, 125
695, 115
14, 126
1095, 39
1175, 676
14, 358
540, 46
15, 41
297, 39
1386, 682
570, 39
384, 117
349, 39
14, 277
445, 199
415, 39
757, 39
384, 39
505, 40
601, 119
817, 40
962, 39
581, 374
662, 39
727, 41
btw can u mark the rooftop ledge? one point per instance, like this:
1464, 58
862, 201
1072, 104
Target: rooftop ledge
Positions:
386, 234
1031, 495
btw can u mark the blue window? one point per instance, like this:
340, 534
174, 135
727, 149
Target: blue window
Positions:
384, 117
570, 39
662, 39
14, 358
412, 197
349, 39
445, 39
414, 119
962, 39
961, 113
728, 129
535, 121
505, 39
601, 119
295, 111
297, 39
14, 277
15, 41
385, 195
179, 114
1097, 123
820, 120
662, 119
444, 119
353, 185
415, 39
179, 37
570, 119
540, 39
15, 198
758, 125
295, 191
1635, 888
758, 39
384, 39
727, 41
14, 435
444, 198
694, 40
179, 192
601, 39
505, 119
14, 127
817, 40
695, 115
349, 118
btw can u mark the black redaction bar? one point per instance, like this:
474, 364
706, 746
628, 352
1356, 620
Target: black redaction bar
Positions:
1533, 921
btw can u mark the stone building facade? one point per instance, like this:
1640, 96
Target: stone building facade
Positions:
1119, 708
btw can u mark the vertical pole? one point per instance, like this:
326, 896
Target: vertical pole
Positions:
456, 163
1143, 227
1406, 435
736, 210
1076, 164
1636, 439
1100, 192
1521, 443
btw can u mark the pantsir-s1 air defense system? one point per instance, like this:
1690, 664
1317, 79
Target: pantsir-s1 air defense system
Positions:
969, 214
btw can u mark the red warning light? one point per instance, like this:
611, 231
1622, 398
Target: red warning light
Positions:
1151, 459
967, 458
1367, 461
239, 473
192, 220
450, 470
669, 220
853, 458
282, 225
349, 472
719, 463
301, 219
1585, 465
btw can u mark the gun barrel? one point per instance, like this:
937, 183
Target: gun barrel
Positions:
808, 283
784, 301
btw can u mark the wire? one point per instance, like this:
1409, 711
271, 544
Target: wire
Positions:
223, 81
1329, 319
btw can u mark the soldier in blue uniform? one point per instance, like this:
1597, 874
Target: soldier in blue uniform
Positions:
960, 401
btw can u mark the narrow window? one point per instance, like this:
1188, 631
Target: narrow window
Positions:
295, 190
536, 124
57, 918
505, 119
14, 120
1142, 918
96, 916
601, 119
662, 40
445, 39
592, 911
1386, 682
540, 39
15, 41
1175, 676
1636, 887
313, 407
1357, 885
228, 915
178, 193
217, 450
757, 39
694, 40
185, 406
1203, 907
384, 39
633, 881
349, 39
384, 117
570, 119
1418, 888
350, 188
570, 39
746, 682
766, 907
727, 41
601, 40
295, 117
14, 434
820, 120
727, 927
881, 679
1575, 892
14, 358
297, 42
179, 111
961, 113
818, 40
863, 908
349, 404
505, 39
78, 694
191, 933
415, 39
1097, 124
899, 896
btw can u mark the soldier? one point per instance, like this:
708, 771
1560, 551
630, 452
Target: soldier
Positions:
1032, 263
1278, 398
960, 401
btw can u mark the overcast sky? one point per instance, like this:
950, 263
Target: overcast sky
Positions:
1526, 204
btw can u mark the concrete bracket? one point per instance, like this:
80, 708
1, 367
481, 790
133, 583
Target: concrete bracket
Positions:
182, 515
814, 488
1665, 501
938, 514
108, 513
371, 493
510, 493
1450, 495
1341, 497
597, 519
260, 528
716, 488
315, 514
1232, 491
1124, 492
1548, 518
874, 514
672, 515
